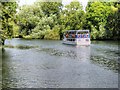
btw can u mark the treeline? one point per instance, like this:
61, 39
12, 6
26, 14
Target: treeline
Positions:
48, 20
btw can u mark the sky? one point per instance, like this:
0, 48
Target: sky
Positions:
65, 2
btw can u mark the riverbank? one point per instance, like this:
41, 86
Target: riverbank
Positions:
31, 38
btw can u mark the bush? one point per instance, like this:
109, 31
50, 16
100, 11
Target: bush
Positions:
53, 34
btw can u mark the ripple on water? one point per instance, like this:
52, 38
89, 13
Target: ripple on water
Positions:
55, 52
58, 66
106, 63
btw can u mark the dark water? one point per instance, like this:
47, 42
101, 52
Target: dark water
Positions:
50, 64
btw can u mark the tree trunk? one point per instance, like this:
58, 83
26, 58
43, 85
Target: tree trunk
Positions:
3, 42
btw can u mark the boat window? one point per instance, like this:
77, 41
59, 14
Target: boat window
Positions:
69, 39
77, 34
83, 34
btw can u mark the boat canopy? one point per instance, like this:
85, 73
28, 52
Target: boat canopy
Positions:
76, 31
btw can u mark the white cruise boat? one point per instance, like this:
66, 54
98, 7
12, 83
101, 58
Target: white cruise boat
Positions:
77, 37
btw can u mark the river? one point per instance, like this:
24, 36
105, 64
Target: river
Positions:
51, 64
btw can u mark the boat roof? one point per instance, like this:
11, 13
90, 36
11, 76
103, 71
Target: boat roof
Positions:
77, 30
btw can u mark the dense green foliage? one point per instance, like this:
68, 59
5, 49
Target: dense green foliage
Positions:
113, 22
73, 16
103, 19
7, 18
48, 20
39, 20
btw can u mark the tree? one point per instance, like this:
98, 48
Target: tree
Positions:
73, 16
103, 19
113, 21
49, 8
45, 24
38, 19
29, 16
8, 11
96, 15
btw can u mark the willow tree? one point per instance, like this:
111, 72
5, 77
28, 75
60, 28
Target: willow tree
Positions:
7, 15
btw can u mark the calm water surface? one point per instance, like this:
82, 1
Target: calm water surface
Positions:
50, 64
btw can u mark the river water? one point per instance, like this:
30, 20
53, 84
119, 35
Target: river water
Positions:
51, 64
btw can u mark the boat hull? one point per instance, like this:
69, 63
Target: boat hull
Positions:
77, 42
69, 42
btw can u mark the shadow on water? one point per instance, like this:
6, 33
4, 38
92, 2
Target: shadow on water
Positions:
106, 42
